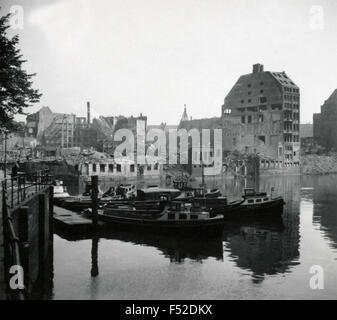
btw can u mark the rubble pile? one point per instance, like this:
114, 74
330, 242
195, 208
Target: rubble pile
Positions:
319, 164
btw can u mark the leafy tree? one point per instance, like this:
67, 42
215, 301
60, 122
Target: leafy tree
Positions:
16, 92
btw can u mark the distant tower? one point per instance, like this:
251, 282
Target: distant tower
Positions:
184, 117
88, 112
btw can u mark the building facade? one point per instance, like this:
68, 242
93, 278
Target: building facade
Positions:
61, 131
37, 122
325, 123
261, 115
201, 153
111, 168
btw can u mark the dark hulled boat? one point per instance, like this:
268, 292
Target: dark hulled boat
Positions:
176, 218
257, 205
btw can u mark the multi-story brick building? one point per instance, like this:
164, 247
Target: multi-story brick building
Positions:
325, 123
261, 114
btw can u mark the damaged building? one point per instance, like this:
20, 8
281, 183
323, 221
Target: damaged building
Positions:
325, 123
261, 115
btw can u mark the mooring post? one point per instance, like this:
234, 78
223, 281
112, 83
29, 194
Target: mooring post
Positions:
23, 213
94, 198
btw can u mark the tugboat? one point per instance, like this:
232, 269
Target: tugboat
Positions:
260, 204
175, 218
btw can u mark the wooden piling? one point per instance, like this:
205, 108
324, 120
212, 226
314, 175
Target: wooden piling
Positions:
94, 198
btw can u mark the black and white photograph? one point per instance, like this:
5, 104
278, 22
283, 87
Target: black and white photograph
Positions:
168, 150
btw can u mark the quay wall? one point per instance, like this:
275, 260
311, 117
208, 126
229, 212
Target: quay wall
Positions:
37, 212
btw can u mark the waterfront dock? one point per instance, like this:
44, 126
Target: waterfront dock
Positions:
71, 221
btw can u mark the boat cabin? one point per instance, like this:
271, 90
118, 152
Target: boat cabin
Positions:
252, 197
157, 193
182, 211
127, 187
182, 185
250, 192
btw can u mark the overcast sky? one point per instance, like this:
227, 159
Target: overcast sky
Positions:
154, 56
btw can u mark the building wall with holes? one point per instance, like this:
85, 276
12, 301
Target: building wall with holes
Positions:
260, 115
122, 169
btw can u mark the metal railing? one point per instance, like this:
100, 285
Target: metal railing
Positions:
14, 191
21, 186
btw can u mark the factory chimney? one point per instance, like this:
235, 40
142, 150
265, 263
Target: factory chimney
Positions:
88, 112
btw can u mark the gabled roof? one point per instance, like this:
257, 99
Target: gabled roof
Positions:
283, 79
204, 123
333, 97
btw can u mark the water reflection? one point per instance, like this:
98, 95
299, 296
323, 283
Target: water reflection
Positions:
324, 205
176, 249
94, 255
264, 248
271, 254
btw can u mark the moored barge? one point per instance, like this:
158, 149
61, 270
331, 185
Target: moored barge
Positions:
176, 218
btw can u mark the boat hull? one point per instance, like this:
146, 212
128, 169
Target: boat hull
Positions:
270, 209
211, 227
77, 205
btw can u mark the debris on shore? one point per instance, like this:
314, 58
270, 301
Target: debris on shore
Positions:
319, 163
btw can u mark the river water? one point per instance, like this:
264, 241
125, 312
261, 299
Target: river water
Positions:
257, 260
